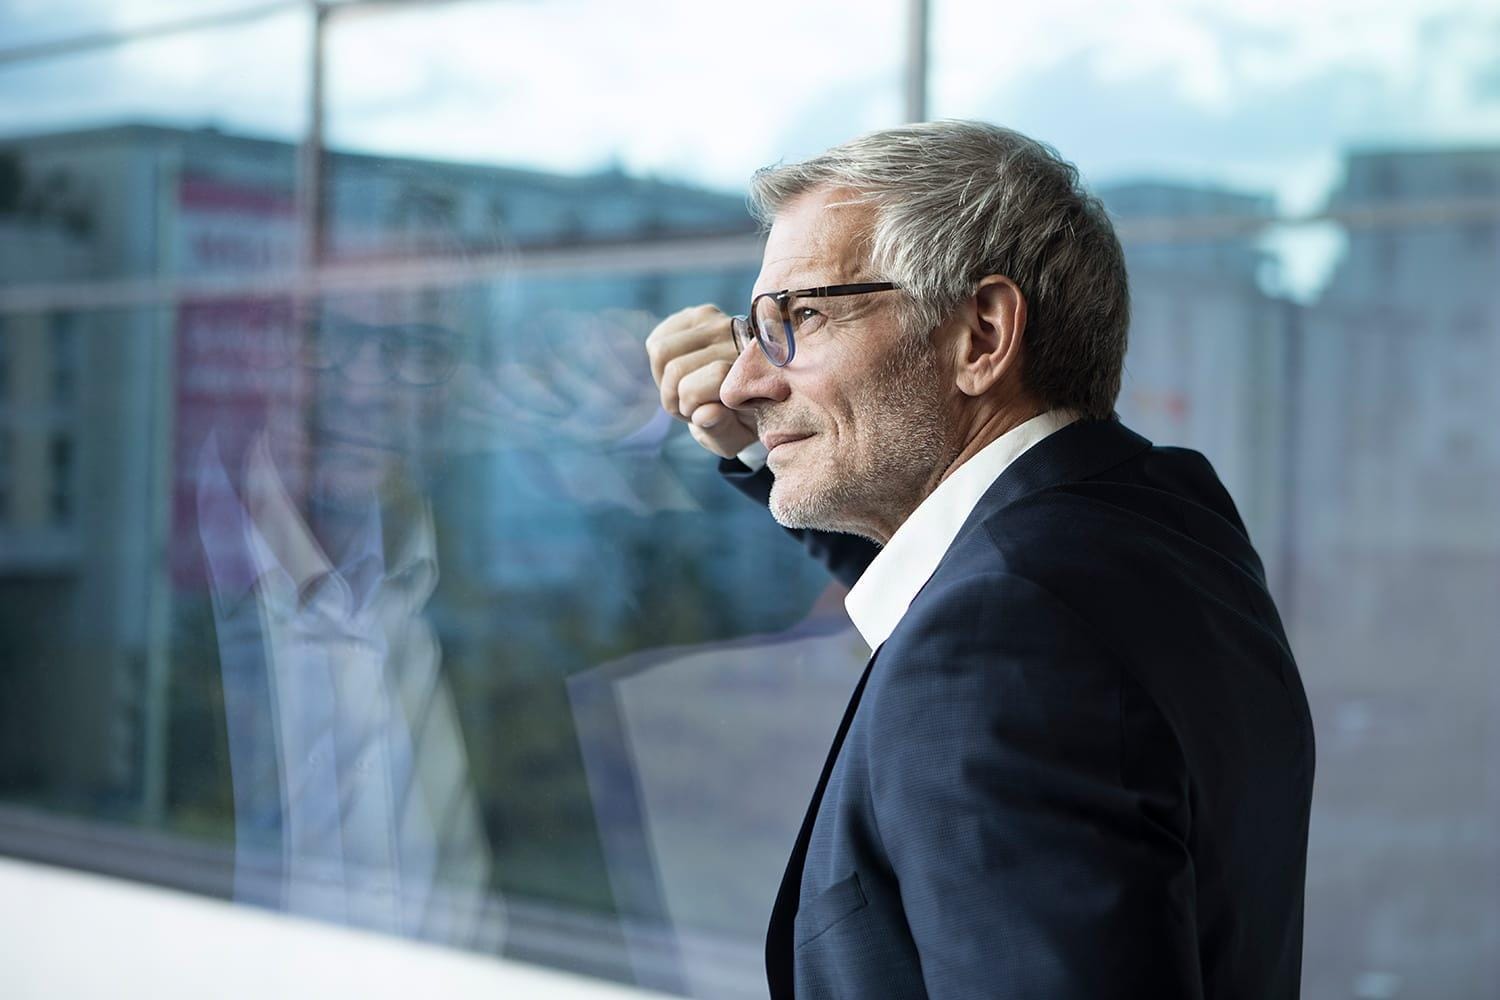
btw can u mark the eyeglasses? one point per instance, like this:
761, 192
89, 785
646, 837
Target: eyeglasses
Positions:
770, 321
415, 354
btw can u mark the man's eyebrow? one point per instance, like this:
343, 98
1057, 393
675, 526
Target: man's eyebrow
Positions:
828, 303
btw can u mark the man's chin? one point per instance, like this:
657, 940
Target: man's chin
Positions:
783, 504
801, 508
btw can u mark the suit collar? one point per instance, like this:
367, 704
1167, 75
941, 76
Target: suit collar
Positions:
884, 591
1081, 450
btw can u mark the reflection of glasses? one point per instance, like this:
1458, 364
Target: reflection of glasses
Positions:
410, 353
774, 323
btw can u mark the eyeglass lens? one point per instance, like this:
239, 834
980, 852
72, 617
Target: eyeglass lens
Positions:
414, 355
770, 328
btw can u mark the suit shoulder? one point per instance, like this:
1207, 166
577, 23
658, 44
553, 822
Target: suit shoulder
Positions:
1165, 505
1136, 559
969, 625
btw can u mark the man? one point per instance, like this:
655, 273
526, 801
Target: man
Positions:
1079, 763
353, 797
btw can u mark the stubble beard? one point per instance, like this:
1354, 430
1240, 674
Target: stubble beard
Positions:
858, 492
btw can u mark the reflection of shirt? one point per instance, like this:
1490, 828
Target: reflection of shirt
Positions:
880, 598
344, 745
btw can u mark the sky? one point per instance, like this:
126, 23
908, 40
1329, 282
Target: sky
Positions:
1262, 96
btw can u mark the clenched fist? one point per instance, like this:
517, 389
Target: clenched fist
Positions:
691, 352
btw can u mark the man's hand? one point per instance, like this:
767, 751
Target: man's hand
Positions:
691, 352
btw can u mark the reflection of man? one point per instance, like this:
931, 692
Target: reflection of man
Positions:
352, 792
1080, 762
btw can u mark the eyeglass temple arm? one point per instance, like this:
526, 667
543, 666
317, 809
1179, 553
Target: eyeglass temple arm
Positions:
859, 288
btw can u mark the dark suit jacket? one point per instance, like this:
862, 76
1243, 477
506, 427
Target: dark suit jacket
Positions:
1080, 767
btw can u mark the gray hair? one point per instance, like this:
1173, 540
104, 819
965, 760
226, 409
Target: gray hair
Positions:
958, 200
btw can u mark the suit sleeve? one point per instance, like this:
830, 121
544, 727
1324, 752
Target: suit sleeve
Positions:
1033, 805
846, 556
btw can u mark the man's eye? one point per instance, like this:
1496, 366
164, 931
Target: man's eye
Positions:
805, 318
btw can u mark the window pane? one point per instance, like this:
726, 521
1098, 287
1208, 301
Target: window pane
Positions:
1308, 195
664, 87
343, 540
239, 66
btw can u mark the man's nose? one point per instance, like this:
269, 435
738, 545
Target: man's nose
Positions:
753, 381
366, 365
363, 379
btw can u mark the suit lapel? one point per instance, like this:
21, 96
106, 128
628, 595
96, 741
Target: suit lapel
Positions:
784, 912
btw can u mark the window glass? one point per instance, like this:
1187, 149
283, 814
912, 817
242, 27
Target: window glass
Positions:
659, 88
6, 448
237, 66
344, 536
1302, 191
349, 569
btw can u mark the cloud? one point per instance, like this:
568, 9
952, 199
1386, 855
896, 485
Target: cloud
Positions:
1262, 94
699, 91
247, 76
1239, 97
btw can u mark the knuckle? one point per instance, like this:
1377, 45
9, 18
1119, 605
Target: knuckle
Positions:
673, 371
662, 330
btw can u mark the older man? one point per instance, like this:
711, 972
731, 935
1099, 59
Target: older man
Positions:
1080, 762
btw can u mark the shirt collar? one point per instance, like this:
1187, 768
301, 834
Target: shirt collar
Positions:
879, 600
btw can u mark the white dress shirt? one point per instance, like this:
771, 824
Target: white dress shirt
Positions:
365, 782
888, 585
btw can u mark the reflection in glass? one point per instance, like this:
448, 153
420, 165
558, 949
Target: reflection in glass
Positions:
255, 548
308, 483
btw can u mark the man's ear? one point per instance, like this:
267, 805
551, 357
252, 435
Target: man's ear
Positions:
990, 345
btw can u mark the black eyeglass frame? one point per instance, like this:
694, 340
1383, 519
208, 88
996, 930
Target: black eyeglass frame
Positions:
329, 344
742, 328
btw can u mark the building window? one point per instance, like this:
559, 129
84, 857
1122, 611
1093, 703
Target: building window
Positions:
5, 474
64, 356
1479, 236
60, 491
1476, 182
4, 361
1384, 184
1387, 257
